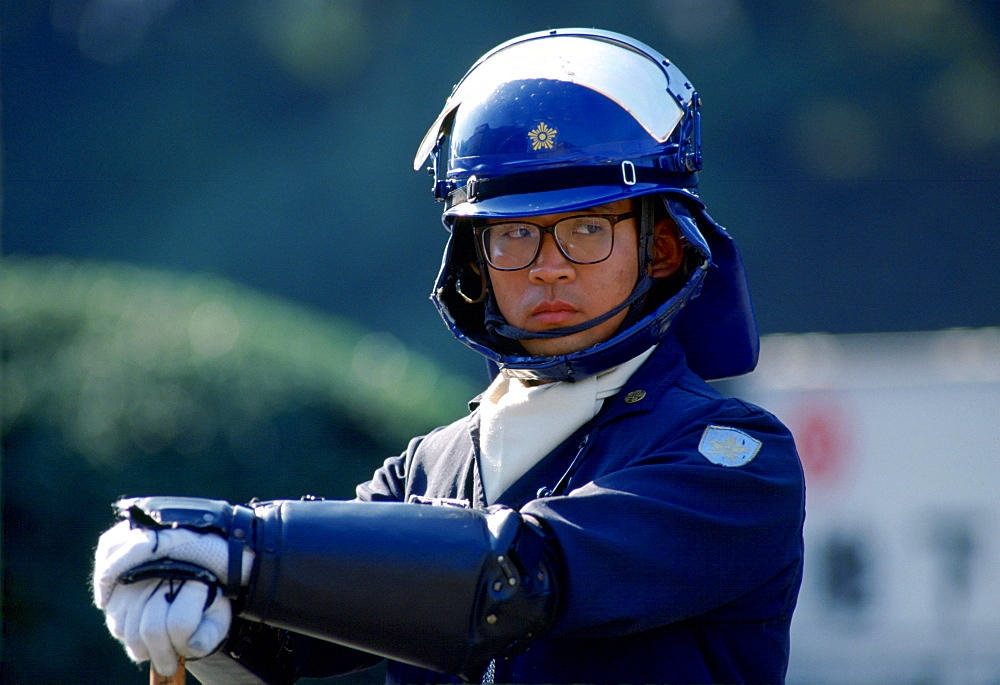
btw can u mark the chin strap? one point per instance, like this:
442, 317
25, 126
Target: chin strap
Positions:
497, 325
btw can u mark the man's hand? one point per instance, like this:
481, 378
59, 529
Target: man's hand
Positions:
159, 620
156, 618
122, 548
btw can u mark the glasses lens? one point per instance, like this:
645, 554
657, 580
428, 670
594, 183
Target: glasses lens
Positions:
585, 239
510, 246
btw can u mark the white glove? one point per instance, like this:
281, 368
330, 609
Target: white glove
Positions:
152, 627
139, 614
122, 548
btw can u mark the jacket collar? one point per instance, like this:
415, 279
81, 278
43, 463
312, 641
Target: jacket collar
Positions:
657, 374
641, 393
644, 389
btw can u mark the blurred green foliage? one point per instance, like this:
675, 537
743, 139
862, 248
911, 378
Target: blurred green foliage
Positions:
124, 381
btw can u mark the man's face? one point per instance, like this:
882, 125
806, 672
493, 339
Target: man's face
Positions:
553, 292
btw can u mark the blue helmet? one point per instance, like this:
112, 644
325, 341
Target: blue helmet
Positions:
568, 119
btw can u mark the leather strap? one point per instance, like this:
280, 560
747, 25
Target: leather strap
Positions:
240, 536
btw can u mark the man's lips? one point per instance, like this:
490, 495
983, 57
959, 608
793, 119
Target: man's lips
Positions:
554, 312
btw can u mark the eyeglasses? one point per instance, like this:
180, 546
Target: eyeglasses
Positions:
583, 239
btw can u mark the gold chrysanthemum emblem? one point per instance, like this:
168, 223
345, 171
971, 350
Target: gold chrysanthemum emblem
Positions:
542, 137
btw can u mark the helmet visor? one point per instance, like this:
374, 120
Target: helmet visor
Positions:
632, 79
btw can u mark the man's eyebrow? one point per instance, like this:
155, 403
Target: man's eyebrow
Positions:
606, 207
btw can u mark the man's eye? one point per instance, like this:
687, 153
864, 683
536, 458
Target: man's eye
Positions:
512, 232
589, 229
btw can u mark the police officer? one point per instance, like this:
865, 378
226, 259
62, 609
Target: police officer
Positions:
603, 514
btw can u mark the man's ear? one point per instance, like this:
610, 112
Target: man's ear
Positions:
668, 253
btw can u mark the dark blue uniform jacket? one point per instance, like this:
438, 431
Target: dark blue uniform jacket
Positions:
682, 563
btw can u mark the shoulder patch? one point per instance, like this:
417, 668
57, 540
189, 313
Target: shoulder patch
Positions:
727, 446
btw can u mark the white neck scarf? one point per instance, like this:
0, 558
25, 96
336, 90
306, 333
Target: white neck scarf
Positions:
520, 424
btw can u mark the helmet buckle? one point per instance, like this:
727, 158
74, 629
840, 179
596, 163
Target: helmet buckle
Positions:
628, 173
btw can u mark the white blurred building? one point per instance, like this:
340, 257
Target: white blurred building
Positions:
900, 439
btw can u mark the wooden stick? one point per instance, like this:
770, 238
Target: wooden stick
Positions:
176, 679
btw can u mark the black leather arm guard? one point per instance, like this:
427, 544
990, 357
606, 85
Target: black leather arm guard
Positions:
442, 588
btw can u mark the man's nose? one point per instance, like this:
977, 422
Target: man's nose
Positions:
550, 265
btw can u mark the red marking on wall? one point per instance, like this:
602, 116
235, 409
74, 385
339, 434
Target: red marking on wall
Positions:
823, 440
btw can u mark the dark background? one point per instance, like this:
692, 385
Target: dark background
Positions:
852, 148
